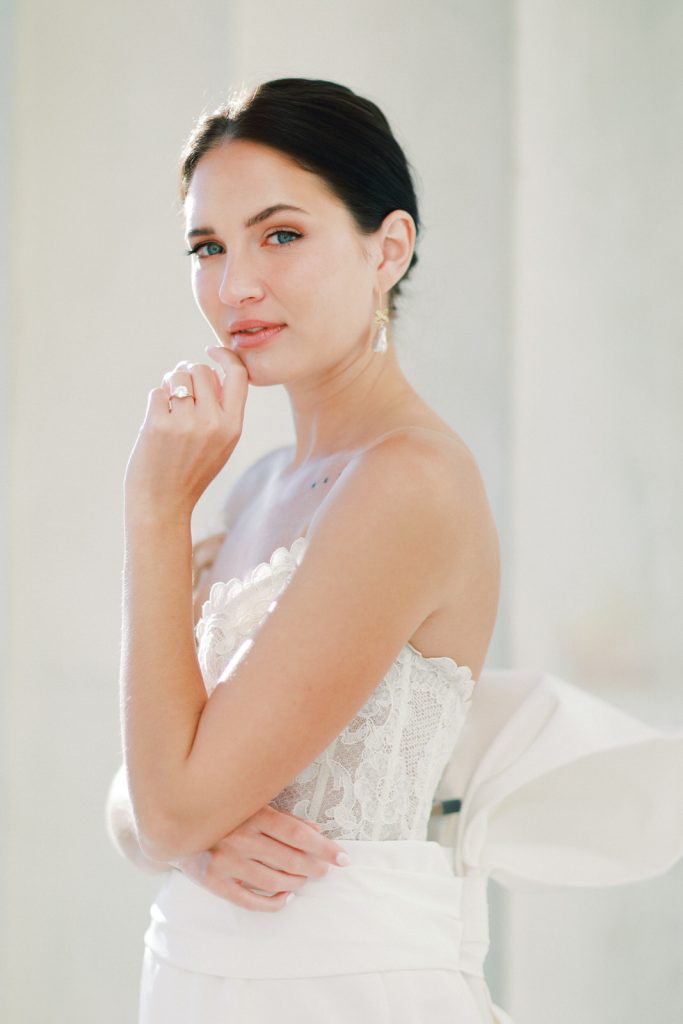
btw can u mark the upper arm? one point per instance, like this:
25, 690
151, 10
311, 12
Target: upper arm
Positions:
380, 552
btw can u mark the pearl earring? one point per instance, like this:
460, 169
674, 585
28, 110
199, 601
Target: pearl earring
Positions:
381, 320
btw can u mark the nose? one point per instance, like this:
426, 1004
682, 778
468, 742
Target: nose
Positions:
238, 283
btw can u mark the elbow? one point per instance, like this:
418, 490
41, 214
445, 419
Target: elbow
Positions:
161, 838
166, 836
173, 821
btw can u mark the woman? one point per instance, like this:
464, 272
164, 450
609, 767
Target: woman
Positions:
328, 679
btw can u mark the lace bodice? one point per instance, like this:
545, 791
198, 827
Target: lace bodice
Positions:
377, 778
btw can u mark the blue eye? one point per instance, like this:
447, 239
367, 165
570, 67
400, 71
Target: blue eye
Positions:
285, 231
203, 245
196, 251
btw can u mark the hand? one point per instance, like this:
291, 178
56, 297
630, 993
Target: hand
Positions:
271, 850
178, 453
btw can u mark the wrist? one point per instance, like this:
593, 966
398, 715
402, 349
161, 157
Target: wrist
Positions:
142, 516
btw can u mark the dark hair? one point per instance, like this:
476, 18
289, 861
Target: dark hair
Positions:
326, 129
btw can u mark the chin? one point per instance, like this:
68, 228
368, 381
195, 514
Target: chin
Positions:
265, 369
261, 375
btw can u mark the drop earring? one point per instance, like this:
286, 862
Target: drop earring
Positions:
381, 320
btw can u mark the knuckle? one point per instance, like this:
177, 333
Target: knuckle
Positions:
216, 871
298, 831
251, 901
262, 876
233, 894
237, 895
299, 863
226, 862
199, 369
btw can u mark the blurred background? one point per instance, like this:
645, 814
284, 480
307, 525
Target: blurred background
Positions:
544, 322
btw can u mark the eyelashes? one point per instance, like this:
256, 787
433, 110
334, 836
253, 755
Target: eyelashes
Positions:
195, 251
201, 245
283, 231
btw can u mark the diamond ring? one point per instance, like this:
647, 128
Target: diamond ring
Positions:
181, 392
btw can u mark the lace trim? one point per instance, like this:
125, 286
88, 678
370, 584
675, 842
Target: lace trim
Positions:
232, 600
221, 594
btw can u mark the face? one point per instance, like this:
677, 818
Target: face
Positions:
309, 269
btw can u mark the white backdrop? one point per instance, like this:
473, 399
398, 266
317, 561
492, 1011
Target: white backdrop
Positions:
543, 322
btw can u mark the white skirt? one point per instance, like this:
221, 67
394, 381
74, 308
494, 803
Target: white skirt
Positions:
393, 938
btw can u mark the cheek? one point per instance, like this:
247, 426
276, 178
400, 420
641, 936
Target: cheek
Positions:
204, 291
325, 276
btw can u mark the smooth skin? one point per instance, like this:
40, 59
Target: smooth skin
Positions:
272, 850
401, 541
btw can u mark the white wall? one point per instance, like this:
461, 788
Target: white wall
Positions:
6, 115
598, 475
103, 97
510, 281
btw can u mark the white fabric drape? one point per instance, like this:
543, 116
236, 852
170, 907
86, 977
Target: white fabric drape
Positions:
560, 788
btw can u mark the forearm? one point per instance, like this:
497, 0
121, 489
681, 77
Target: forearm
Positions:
162, 690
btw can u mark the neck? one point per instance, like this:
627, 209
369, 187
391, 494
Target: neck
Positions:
347, 406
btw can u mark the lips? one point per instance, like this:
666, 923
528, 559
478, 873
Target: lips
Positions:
241, 325
242, 338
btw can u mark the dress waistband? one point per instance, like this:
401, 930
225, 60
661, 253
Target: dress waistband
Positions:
397, 905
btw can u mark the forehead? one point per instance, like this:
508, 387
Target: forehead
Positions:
239, 178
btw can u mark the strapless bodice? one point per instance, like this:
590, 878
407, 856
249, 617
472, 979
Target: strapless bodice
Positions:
376, 780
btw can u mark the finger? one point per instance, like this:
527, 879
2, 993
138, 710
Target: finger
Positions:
245, 855
179, 375
297, 833
224, 357
175, 379
261, 875
242, 896
235, 377
290, 859
206, 383
262, 863
203, 384
157, 403
217, 379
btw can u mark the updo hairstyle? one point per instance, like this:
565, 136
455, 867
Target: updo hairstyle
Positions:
326, 129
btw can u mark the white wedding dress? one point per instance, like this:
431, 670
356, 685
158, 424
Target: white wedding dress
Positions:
401, 934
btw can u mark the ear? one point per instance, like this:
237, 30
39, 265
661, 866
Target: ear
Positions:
396, 241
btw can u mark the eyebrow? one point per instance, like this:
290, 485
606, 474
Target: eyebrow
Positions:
251, 221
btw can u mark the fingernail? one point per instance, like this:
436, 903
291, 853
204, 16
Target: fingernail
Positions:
290, 897
343, 859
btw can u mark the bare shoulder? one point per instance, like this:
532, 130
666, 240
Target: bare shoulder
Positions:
434, 470
433, 480
427, 479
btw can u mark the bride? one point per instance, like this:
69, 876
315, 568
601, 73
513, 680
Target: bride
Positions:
301, 697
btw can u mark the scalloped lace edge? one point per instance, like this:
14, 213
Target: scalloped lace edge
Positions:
221, 593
